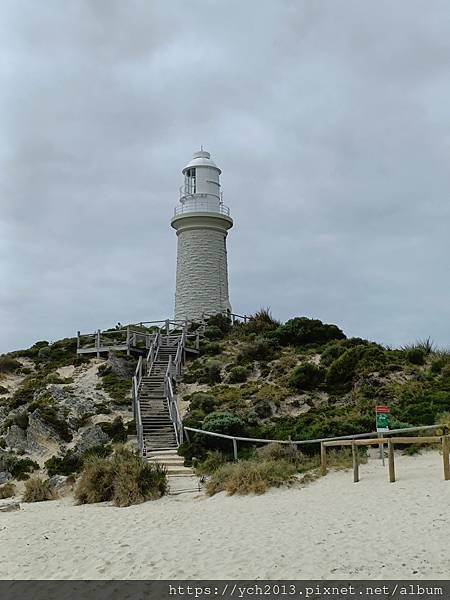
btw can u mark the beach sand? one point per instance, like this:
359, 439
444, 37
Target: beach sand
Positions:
331, 528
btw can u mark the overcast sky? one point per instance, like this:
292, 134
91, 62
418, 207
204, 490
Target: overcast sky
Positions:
331, 123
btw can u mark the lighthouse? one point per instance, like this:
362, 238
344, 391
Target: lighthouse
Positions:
201, 221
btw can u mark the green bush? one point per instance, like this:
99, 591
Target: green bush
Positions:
221, 321
261, 349
123, 479
49, 415
307, 377
72, 462
354, 360
416, 356
7, 491
20, 468
261, 323
210, 464
117, 387
8, 364
250, 476
115, 430
211, 349
301, 331
202, 401
331, 353
225, 423
21, 420
238, 375
210, 373
37, 490
213, 333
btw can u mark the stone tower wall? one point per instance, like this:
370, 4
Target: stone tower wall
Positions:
202, 277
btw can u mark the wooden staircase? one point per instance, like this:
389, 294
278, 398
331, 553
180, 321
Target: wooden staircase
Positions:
156, 404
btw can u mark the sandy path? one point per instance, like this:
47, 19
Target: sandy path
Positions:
329, 529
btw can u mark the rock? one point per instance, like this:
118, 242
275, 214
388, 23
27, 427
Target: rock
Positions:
93, 436
39, 434
16, 438
57, 483
5, 476
9, 506
121, 366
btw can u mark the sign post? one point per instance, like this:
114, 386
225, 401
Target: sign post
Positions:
382, 414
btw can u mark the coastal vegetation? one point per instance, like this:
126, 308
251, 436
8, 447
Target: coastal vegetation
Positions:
61, 415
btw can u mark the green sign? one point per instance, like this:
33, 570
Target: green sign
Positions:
382, 421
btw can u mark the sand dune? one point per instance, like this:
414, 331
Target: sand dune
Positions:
331, 528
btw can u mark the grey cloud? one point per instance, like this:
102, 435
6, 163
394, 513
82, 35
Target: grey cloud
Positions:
329, 120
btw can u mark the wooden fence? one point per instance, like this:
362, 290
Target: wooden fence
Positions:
391, 442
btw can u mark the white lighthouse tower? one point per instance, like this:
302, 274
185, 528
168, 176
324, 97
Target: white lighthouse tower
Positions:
201, 221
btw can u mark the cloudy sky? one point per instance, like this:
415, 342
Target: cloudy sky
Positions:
331, 123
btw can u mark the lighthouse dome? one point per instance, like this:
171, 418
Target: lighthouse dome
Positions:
201, 159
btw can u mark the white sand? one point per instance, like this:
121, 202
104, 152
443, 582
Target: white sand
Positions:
331, 528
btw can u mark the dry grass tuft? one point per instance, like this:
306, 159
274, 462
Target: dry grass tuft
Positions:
123, 479
250, 476
7, 491
37, 490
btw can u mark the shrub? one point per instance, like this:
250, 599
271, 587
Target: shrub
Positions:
220, 321
301, 330
416, 356
202, 401
123, 479
213, 333
211, 349
7, 491
250, 476
72, 462
117, 387
115, 430
341, 371
3, 390
37, 490
8, 364
210, 464
20, 468
49, 415
331, 353
238, 375
21, 419
224, 422
307, 377
262, 322
210, 373
261, 349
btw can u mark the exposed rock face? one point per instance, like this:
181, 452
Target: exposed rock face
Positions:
35, 439
93, 436
58, 483
121, 367
16, 438
5, 476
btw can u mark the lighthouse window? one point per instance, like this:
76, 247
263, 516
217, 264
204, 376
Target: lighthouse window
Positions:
190, 180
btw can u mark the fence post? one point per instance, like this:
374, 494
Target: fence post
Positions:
323, 459
167, 326
97, 343
391, 461
445, 457
78, 339
355, 457
128, 340
235, 451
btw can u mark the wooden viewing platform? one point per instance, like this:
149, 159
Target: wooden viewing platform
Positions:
136, 338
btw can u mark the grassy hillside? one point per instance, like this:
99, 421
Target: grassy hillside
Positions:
305, 379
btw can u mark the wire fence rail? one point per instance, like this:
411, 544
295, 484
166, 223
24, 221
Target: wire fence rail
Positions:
342, 438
